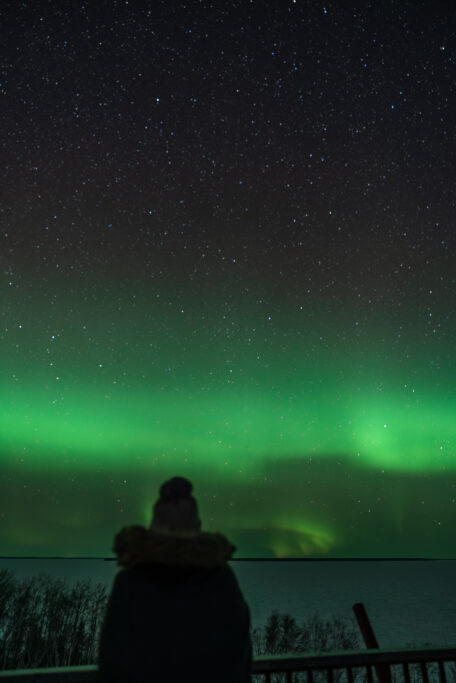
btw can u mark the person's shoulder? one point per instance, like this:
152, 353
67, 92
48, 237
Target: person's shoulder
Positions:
226, 572
226, 579
221, 575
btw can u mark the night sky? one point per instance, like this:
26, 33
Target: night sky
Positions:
227, 251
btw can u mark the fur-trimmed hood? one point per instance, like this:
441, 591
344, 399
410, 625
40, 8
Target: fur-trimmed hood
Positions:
136, 544
175, 612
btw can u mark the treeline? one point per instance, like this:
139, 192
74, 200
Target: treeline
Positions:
283, 635
46, 622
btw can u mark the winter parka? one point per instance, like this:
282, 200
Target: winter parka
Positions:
175, 613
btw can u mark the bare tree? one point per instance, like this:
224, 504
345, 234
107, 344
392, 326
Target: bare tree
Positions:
7, 594
18, 623
282, 635
46, 622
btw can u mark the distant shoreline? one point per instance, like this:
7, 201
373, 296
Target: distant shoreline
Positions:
265, 559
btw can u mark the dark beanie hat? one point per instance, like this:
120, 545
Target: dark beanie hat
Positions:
176, 510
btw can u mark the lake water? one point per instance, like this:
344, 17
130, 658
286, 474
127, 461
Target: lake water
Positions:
407, 601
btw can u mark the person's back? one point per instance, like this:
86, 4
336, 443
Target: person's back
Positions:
176, 611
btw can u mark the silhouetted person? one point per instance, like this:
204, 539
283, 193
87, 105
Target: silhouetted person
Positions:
176, 612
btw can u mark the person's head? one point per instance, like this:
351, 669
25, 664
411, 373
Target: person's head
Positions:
176, 511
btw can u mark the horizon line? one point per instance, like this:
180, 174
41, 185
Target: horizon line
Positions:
259, 559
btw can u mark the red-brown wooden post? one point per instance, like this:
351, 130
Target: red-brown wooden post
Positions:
383, 672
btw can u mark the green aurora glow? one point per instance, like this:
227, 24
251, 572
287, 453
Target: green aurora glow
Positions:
86, 401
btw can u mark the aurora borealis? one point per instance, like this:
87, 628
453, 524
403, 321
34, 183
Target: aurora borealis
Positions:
227, 253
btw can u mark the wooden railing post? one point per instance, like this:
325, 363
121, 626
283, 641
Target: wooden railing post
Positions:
383, 672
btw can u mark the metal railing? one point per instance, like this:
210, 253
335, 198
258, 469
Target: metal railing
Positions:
349, 666
360, 665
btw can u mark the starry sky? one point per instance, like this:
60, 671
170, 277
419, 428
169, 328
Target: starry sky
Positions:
227, 253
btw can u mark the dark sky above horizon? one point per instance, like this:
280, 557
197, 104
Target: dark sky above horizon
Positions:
228, 252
